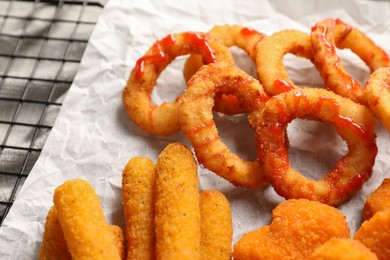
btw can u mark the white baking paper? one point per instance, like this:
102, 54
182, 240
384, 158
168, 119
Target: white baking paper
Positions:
93, 138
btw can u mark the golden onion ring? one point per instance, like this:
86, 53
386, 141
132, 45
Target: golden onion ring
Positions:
378, 95
197, 123
269, 59
230, 35
331, 33
163, 119
352, 121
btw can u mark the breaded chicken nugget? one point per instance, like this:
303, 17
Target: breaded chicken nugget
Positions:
375, 234
82, 220
342, 249
378, 200
216, 226
53, 244
138, 190
258, 244
177, 215
298, 227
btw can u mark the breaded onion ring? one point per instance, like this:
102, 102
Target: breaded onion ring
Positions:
378, 95
197, 123
331, 33
230, 35
353, 122
163, 120
269, 59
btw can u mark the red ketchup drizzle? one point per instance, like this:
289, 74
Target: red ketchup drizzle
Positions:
158, 56
283, 85
247, 31
200, 43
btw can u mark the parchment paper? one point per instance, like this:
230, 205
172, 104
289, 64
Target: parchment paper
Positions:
93, 138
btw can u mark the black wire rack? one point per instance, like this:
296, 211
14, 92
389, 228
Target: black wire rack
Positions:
41, 45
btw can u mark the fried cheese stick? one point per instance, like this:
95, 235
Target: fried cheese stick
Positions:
119, 239
82, 220
138, 189
53, 243
216, 226
177, 212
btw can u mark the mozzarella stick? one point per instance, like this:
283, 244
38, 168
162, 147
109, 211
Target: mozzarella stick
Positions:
53, 244
216, 226
82, 220
177, 212
119, 239
138, 189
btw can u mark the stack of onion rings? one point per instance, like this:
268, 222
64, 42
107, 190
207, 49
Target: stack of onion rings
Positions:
353, 122
215, 83
197, 122
163, 120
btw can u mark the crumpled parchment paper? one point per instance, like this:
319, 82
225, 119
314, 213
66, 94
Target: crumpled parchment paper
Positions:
93, 138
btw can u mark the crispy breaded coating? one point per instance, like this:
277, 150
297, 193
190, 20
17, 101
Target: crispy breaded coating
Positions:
82, 220
298, 227
53, 244
216, 226
378, 200
119, 239
375, 234
342, 249
138, 190
177, 215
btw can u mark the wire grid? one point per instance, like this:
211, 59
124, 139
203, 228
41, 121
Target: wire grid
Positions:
41, 45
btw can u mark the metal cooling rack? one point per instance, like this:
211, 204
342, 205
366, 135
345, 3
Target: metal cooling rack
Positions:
41, 45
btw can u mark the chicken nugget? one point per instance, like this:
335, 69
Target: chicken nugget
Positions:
375, 234
216, 226
298, 227
258, 244
177, 214
378, 200
53, 244
82, 220
342, 249
138, 190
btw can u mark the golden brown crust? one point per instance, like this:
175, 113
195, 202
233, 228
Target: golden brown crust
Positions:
298, 227
352, 121
342, 248
216, 226
330, 33
138, 190
177, 215
163, 120
378, 200
198, 125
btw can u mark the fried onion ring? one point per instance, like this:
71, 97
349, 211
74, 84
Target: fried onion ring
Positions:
163, 120
378, 95
331, 33
230, 35
269, 59
196, 119
352, 121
